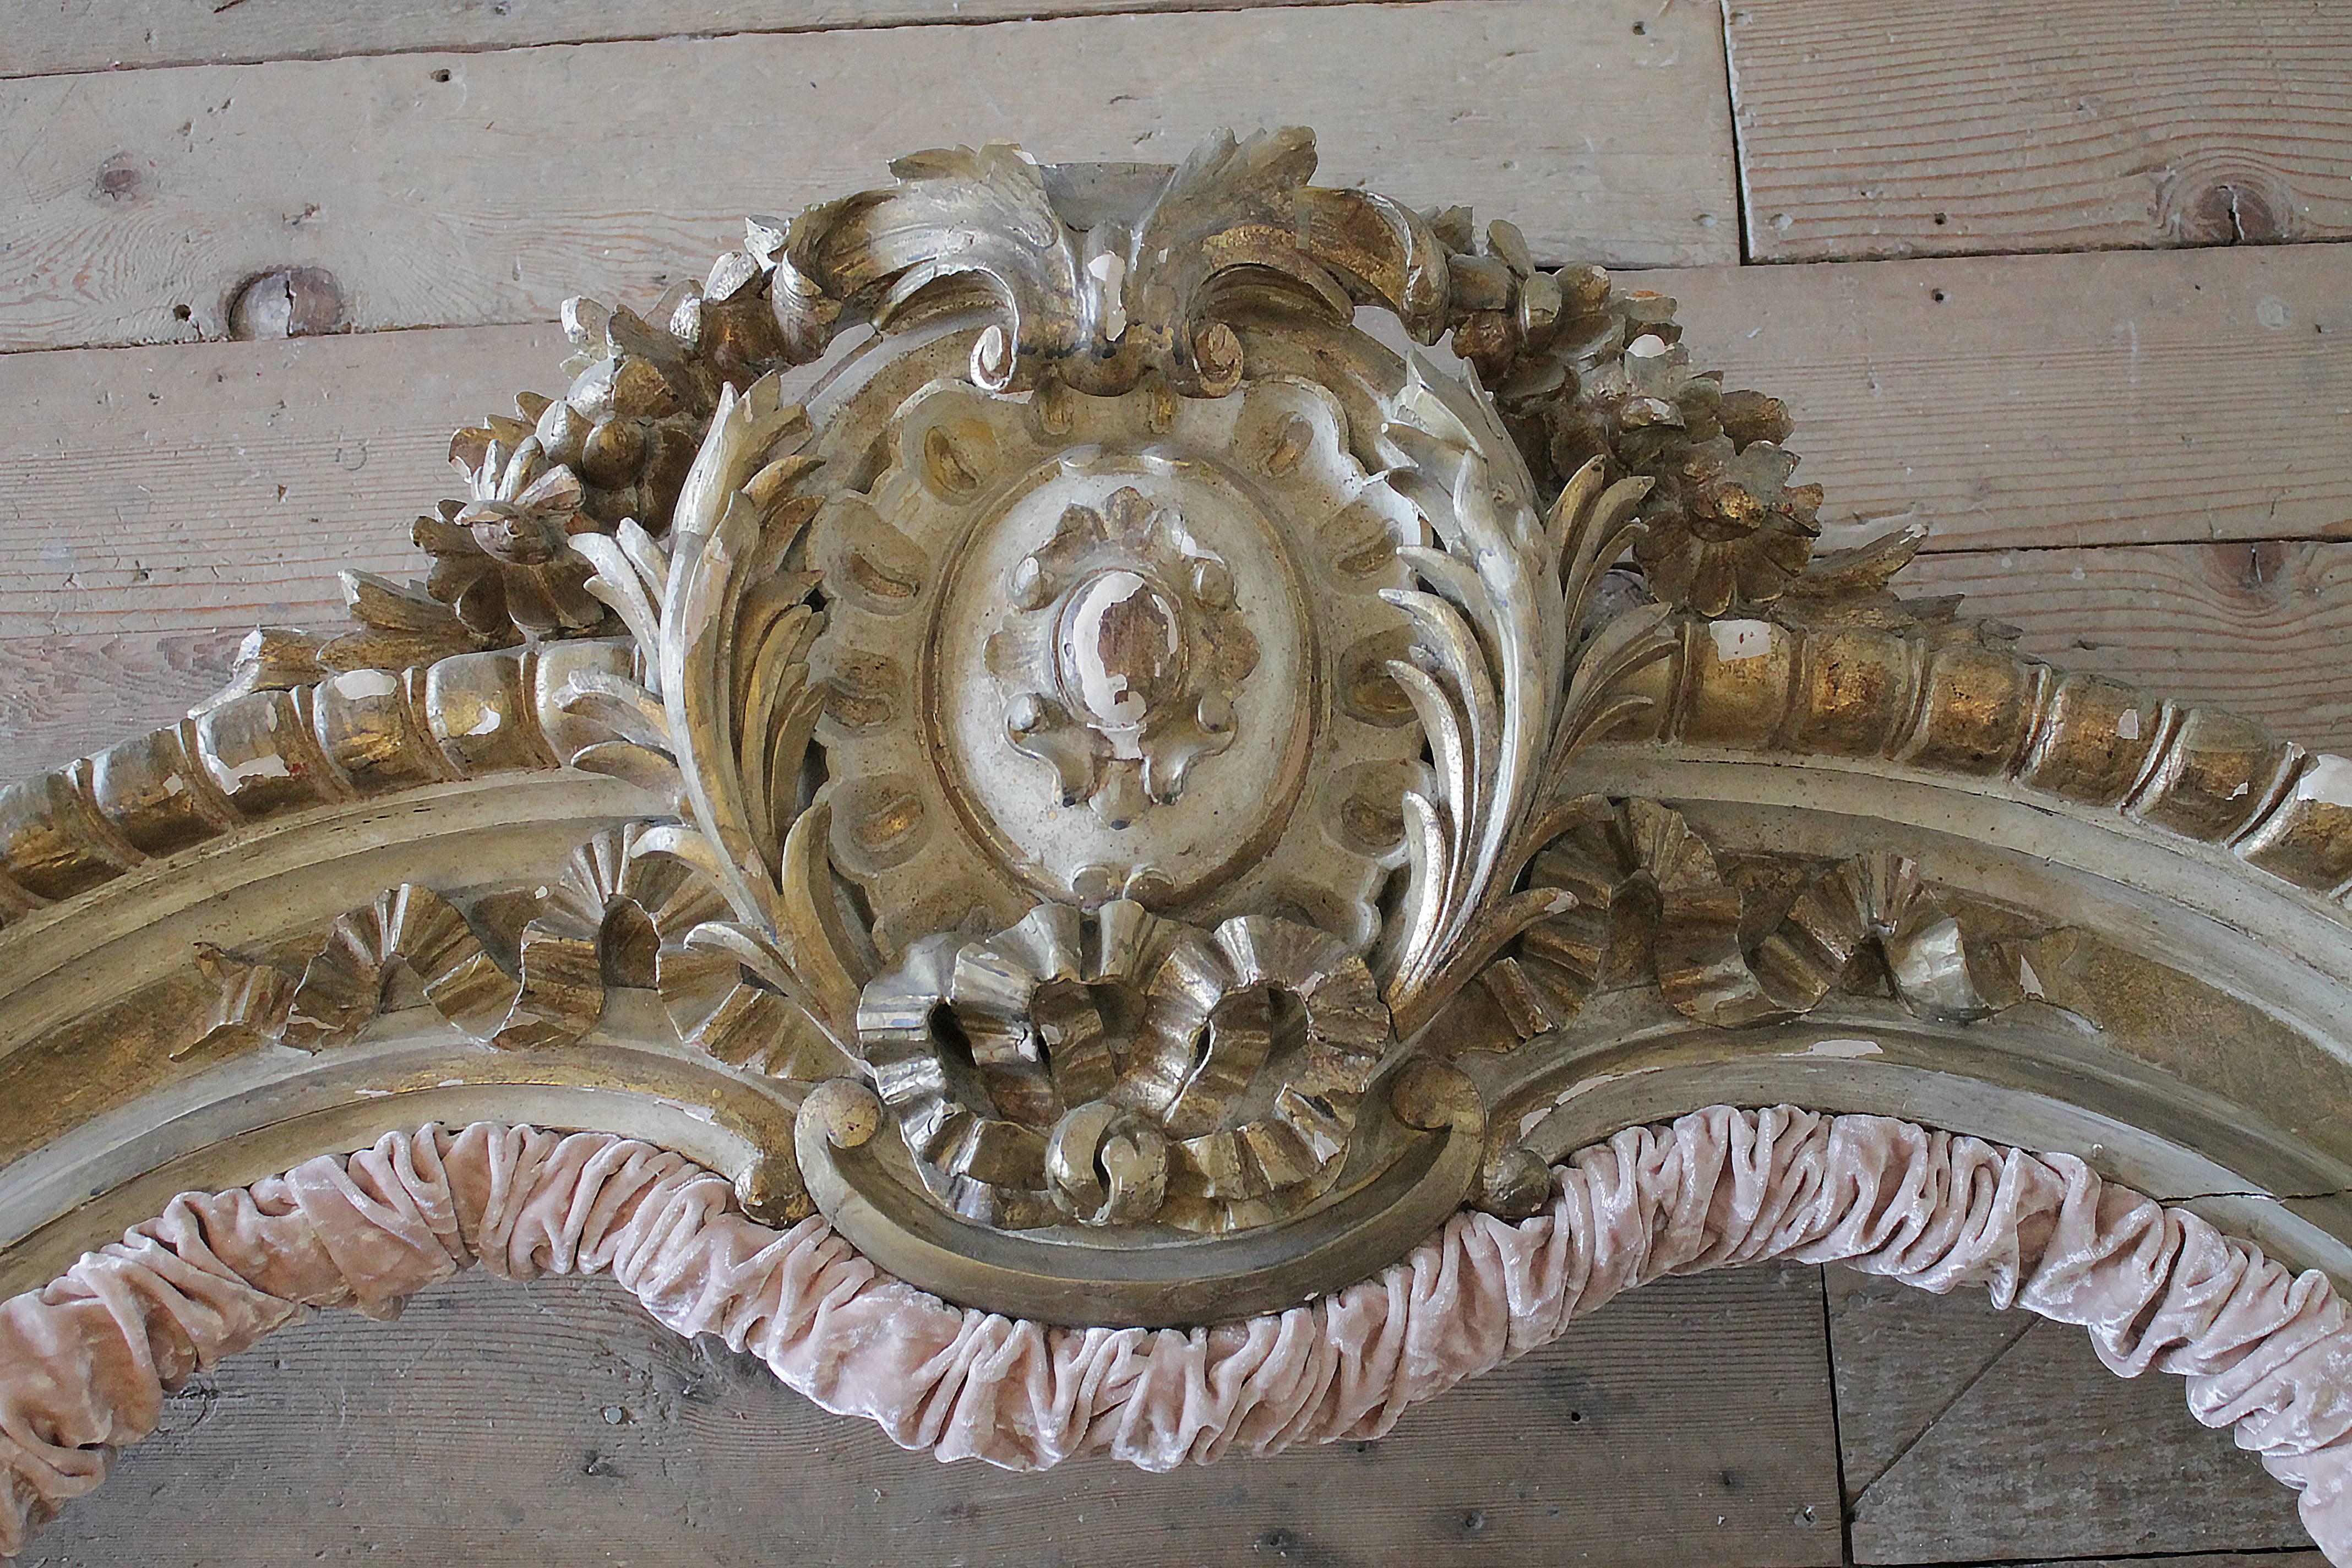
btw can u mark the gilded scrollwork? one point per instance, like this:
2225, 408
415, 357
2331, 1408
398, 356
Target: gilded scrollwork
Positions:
1143, 798
1134, 728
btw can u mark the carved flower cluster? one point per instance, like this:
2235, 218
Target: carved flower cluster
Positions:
1123, 655
502, 558
1580, 370
616, 446
1726, 528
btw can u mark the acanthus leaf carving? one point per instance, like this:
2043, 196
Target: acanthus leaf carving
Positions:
1128, 654
722, 710
1139, 724
1097, 292
1506, 677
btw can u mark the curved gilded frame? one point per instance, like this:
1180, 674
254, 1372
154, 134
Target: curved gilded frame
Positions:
1600, 798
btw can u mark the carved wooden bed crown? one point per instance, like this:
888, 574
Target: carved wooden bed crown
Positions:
1138, 793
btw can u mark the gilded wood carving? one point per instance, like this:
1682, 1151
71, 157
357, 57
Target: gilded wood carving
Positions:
1137, 737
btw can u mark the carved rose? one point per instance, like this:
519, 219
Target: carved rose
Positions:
504, 556
1726, 529
1125, 656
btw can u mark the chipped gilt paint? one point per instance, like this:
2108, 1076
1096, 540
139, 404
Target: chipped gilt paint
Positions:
1141, 784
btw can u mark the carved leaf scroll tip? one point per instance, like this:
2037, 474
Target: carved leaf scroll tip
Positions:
1509, 676
248, 1006
723, 711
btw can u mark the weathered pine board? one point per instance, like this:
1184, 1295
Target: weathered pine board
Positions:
497, 1425
1869, 129
1969, 1435
46, 37
2083, 401
213, 485
65, 697
2198, 1560
2263, 629
458, 189
2121, 397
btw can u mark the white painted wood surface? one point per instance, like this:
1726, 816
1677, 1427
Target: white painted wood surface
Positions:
460, 189
2126, 397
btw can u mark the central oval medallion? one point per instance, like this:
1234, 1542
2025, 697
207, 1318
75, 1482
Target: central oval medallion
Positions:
1091, 648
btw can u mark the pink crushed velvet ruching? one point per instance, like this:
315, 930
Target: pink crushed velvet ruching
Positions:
86, 1361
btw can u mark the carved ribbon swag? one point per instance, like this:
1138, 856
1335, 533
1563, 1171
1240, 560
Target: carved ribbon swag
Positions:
1132, 741
1127, 729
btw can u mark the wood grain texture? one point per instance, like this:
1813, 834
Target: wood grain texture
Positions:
2116, 398
2263, 629
46, 37
557, 1422
61, 698
2195, 1559
1973, 1435
215, 485
2093, 400
1919, 128
460, 189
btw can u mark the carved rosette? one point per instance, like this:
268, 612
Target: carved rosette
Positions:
1125, 655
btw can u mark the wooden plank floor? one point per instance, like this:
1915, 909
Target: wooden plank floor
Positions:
557, 1422
2013, 290
460, 189
1919, 127
1970, 1434
62, 36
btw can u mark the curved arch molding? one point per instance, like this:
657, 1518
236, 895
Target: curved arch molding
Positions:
1019, 781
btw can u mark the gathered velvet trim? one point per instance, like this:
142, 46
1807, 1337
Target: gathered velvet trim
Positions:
86, 1361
